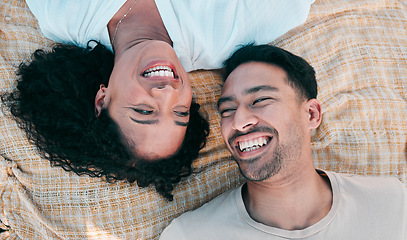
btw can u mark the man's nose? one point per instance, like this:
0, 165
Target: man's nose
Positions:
244, 119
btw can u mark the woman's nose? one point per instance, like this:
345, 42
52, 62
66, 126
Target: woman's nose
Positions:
164, 91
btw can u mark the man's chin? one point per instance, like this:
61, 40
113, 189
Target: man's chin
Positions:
259, 169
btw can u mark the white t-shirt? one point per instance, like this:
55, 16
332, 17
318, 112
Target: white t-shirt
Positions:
204, 32
363, 208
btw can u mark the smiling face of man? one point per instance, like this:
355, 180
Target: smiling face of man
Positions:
264, 122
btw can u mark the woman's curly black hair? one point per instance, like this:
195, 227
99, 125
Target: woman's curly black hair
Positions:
54, 104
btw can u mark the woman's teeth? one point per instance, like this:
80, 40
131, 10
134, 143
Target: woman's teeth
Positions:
252, 144
159, 71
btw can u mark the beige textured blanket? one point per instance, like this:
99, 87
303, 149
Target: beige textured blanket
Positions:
359, 51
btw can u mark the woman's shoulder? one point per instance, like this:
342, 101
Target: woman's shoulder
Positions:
75, 21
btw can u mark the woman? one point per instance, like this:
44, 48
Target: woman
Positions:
141, 123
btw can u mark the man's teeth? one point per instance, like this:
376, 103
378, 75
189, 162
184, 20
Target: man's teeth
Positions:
159, 71
253, 144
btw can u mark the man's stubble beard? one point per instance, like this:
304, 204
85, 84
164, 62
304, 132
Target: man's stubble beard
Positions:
282, 157
252, 172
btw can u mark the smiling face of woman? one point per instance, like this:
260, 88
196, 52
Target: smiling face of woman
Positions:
149, 96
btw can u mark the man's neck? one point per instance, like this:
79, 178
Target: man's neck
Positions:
289, 203
141, 24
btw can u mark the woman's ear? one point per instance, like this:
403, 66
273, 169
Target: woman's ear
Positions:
315, 113
100, 99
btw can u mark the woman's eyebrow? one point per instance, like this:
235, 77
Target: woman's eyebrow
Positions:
182, 124
149, 122
156, 121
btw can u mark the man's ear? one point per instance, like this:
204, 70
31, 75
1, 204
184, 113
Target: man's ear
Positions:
100, 100
315, 113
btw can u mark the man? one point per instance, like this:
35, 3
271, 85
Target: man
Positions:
268, 108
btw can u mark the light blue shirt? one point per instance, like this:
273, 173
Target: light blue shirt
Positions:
204, 32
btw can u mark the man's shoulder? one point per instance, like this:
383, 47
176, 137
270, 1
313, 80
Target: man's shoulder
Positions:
225, 202
380, 203
371, 187
375, 182
212, 215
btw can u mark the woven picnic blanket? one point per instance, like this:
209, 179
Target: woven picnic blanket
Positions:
359, 52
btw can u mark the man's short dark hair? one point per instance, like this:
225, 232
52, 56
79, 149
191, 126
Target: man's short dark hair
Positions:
301, 75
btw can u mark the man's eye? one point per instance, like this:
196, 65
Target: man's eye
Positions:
261, 100
226, 112
144, 112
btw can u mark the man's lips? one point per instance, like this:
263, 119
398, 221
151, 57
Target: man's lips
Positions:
250, 145
253, 144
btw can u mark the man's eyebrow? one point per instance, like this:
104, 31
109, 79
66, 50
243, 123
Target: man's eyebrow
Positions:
224, 99
248, 91
149, 122
260, 88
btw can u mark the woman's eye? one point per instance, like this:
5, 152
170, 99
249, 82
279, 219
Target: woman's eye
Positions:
144, 112
182, 113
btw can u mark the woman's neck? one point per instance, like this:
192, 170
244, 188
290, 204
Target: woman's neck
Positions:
142, 23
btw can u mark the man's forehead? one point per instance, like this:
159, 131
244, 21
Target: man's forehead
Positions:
247, 83
253, 88
257, 71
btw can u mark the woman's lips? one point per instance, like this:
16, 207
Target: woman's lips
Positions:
159, 69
